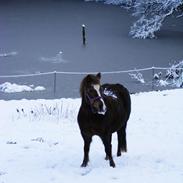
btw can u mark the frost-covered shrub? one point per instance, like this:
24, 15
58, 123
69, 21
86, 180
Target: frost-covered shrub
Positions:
172, 77
138, 77
175, 74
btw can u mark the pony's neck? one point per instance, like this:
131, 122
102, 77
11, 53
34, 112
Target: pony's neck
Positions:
84, 103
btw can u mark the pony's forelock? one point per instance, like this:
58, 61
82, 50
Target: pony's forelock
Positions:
89, 80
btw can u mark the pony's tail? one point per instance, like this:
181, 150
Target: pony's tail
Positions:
125, 96
126, 100
122, 144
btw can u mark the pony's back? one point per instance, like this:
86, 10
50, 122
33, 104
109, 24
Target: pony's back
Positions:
122, 94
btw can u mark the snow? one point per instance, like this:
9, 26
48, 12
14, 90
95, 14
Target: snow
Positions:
55, 59
163, 82
39, 88
8, 87
13, 53
40, 142
110, 93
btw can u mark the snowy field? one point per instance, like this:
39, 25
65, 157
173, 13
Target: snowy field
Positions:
40, 142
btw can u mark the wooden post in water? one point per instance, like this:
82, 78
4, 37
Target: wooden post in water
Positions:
84, 34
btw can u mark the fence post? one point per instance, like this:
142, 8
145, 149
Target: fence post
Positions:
153, 72
54, 83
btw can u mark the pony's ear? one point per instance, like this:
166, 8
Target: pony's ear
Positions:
88, 77
98, 75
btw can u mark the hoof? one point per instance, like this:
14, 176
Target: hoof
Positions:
84, 164
112, 164
119, 154
107, 158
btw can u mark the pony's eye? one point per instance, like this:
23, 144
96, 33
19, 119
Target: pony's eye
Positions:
90, 89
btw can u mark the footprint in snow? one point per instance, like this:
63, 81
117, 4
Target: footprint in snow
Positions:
85, 171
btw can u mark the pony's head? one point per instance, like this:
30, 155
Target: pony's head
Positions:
90, 91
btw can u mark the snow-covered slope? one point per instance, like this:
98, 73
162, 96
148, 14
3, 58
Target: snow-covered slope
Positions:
40, 142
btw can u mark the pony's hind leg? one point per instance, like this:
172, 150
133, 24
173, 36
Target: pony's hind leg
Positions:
87, 141
122, 145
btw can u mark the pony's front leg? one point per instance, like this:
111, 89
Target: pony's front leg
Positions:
108, 148
87, 141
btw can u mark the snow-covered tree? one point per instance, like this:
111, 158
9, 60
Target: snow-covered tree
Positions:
150, 14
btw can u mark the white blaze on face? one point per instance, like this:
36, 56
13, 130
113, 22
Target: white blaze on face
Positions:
97, 88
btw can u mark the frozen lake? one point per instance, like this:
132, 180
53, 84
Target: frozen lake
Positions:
32, 33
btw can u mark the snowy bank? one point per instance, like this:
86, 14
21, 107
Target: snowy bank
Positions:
41, 143
8, 87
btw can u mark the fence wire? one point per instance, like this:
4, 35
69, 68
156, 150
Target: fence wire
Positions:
84, 73
59, 84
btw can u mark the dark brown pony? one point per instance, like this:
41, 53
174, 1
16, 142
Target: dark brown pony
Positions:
104, 109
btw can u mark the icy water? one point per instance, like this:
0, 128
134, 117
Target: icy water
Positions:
41, 36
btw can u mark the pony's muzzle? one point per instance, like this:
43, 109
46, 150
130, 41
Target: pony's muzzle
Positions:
102, 112
99, 107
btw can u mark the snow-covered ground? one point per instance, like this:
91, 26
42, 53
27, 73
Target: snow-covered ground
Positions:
8, 87
40, 142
